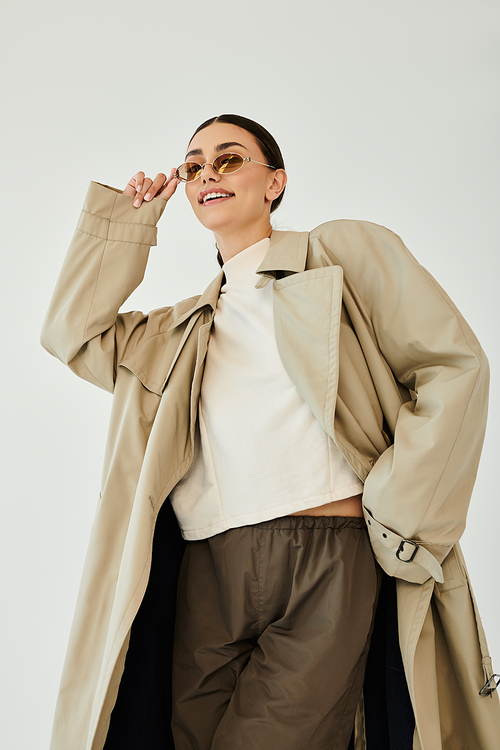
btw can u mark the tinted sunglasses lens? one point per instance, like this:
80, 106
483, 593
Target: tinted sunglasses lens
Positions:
226, 163
189, 171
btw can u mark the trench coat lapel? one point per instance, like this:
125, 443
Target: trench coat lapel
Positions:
209, 297
307, 307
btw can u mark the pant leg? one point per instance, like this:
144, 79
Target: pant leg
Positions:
303, 681
213, 638
273, 628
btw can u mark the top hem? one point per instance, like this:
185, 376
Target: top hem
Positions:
250, 519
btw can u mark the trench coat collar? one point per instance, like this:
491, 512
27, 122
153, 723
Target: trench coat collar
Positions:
208, 298
287, 252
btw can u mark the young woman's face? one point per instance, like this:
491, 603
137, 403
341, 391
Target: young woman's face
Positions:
247, 193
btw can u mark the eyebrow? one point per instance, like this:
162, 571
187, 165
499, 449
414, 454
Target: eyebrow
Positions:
218, 148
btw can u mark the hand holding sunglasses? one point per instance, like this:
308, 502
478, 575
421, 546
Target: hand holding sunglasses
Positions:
143, 188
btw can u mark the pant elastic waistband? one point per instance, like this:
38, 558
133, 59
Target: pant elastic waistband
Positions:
312, 522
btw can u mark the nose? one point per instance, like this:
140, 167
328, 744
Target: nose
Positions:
212, 174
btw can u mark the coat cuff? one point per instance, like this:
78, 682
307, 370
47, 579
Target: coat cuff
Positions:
109, 215
404, 558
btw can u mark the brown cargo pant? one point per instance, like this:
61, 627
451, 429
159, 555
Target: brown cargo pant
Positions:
273, 628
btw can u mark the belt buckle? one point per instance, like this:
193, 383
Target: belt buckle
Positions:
401, 549
486, 689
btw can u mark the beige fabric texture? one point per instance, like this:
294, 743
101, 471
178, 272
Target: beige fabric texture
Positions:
390, 369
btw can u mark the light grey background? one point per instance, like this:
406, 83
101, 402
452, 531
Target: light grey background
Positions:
386, 111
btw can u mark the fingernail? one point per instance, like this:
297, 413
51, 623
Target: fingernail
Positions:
147, 197
137, 202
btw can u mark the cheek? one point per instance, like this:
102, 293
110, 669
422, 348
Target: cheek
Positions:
192, 195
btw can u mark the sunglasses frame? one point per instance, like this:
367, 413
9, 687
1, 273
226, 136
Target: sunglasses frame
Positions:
212, 164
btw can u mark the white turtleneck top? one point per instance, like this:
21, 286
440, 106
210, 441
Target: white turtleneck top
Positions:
259, 453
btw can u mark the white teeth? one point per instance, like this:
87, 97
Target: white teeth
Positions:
210, 196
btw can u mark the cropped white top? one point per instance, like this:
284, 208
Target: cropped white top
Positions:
259, 452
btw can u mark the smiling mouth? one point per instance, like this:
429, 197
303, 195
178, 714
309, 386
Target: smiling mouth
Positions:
215, 196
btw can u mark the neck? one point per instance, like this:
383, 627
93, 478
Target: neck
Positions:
232, 243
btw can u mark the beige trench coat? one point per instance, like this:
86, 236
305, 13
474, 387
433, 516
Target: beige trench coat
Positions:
389, 368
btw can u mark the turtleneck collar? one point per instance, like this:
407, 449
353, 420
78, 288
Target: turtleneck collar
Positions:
246, 261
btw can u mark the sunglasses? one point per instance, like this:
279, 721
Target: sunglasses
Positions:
223, 164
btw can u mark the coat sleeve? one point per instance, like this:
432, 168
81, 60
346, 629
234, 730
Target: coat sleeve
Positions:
417, 494
104, 264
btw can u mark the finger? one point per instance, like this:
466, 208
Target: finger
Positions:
146, 184
171, 185
139, 181
131, 187
156, 186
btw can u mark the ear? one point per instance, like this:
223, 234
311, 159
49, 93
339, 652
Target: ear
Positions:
276, 185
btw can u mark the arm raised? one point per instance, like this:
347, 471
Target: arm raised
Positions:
105, 262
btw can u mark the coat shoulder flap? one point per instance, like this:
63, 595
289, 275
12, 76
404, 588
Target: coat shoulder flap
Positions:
166, 332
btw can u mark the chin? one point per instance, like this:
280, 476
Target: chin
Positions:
214, 220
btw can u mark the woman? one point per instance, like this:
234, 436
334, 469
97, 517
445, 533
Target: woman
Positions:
323, 378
